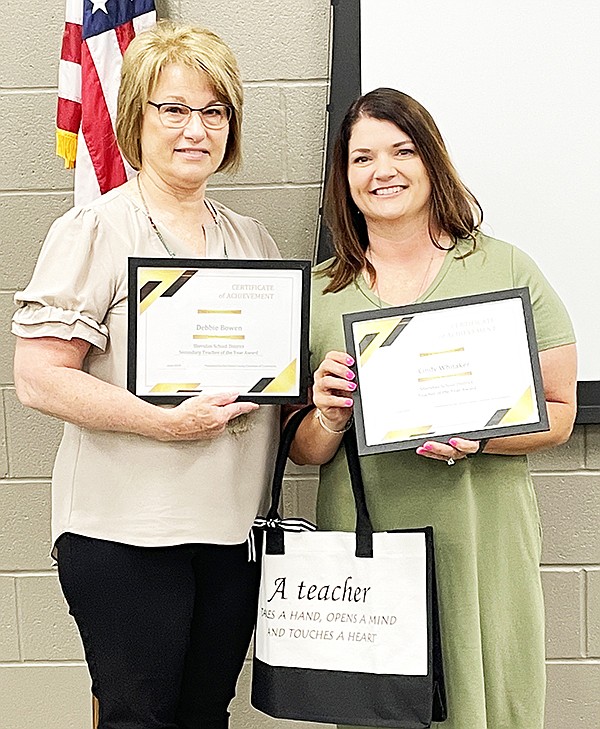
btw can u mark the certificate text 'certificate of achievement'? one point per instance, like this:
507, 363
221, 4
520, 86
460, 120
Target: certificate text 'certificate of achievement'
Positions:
464, 367
199, 326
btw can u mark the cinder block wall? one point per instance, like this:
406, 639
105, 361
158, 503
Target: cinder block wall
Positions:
283, 52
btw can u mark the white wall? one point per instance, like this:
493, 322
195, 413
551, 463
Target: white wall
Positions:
515, 89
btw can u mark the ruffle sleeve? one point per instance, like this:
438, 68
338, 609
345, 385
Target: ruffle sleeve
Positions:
73, 284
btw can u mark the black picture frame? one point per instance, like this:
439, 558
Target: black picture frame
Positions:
409, 312
189, 267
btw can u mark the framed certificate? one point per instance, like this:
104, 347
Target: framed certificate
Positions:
207, 326
464, 367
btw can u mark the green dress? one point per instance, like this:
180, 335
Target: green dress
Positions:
483, 510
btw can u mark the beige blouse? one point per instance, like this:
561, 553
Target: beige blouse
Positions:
125, 487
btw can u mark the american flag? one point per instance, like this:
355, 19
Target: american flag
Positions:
96, 34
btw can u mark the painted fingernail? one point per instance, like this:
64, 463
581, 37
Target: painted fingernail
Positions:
427, 447
349, 360
349, 375
421, 451
351, 385
349, 403
452, 442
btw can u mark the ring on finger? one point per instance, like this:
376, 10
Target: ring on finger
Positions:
450, 462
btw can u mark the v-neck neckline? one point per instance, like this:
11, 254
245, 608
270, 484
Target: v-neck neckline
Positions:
363, 286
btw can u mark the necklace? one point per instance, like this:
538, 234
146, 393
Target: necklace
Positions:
421, 286
157, 231
152, 223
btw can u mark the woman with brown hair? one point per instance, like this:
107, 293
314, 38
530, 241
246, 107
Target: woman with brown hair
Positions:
406, 229
152, 506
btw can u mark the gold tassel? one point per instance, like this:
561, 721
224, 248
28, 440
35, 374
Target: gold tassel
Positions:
95, 712
66, 147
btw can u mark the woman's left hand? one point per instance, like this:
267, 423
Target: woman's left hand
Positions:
455, 450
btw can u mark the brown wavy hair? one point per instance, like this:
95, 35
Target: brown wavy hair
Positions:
453, 209
187, 45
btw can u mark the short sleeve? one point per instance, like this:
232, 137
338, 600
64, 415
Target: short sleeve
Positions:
72, 286
553, 325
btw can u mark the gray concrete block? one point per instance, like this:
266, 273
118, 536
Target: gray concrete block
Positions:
244, 716
562, 596
167, 9
568, 457
301, 494
263, 139
32, 439
24, 526
569, 507
24, 222
34, 38
307, 471
45, 697
306, 490
48, 632
290, 215
7, 341
3, 444
305, 112
573, 696
9, 637
289, 500
592, 459
271, 39
27, 128
593, 614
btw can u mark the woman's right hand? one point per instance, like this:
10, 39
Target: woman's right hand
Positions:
333, 383
203, 417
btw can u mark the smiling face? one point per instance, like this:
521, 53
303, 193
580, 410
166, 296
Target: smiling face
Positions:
387, 178
182, 158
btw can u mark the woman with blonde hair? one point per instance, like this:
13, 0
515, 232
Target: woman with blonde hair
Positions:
152, 506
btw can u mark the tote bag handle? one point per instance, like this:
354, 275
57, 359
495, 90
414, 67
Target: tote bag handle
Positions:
364, 527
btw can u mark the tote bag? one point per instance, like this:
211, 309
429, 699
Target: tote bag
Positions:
347, 627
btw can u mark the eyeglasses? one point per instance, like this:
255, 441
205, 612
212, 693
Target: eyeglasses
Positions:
176, 116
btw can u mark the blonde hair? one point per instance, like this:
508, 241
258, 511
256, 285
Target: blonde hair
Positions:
186, 45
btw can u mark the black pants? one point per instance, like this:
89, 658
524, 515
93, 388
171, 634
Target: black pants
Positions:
165, 629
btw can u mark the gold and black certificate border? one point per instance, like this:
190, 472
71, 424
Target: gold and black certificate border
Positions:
171, 274
385, 333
